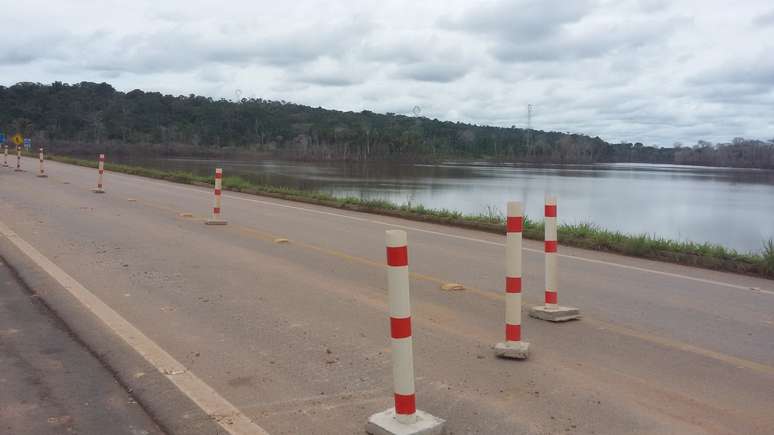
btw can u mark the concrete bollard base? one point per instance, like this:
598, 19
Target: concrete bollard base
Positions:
215, 222
18, 170
554, 314
385, 423
97, 190
42, 175
512, 349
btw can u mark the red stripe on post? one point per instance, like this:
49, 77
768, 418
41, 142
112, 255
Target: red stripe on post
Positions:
551, 297
217, 191
405, 405
512, 332
550, 245
400, 327
397, 256
514, 224
218, 175
512, 284
216, 210
551, 210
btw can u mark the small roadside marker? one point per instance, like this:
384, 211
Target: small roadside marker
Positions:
216, 220
18, 159
101, 169
41, 172
513, 347
552, 311
403, 418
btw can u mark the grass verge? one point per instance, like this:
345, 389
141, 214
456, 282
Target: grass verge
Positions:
584, 235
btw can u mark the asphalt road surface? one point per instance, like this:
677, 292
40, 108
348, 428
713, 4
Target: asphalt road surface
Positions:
51, 384
294, 337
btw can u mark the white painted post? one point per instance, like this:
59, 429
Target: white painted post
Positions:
551, 245
101, 170
551, 311
41, 172
513, 347
216, 220
5, 156
400, 326
403, 418
18, 159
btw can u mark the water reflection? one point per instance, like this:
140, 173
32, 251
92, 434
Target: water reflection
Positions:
733, 207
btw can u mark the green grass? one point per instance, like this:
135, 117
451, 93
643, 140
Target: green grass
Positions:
582, 235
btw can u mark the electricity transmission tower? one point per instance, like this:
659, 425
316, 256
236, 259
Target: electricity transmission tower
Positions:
530, 110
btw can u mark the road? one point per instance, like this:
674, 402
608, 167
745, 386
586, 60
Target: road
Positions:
295, 336
51, 384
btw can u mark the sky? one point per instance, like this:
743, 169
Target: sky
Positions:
651, 71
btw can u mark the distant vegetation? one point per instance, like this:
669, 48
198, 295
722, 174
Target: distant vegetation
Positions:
89, 117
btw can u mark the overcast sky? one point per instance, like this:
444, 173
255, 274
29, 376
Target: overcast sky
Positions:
652, 71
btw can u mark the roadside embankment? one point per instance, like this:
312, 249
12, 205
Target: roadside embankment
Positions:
583, 235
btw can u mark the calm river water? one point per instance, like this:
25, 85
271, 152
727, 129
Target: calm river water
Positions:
732, 207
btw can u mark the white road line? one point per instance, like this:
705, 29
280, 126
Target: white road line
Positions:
224, 413
471, 239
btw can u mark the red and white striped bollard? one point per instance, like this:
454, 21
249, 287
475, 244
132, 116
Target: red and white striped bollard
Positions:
5, 156
513, 347
101, 169
216, 220
18, 159
403, 418
552, 311
41, 172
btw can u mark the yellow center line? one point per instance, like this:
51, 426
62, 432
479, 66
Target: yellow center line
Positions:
498, 296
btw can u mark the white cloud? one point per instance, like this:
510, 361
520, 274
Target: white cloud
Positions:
655, 71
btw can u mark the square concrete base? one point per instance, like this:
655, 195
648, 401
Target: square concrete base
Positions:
554, 314
384, 423
512, 349
215, 222
97, 190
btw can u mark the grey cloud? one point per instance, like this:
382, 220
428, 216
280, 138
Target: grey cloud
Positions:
757, 70
519, 19
766, 19
531, 30
185, 49
441, 72
327, 78
25, 48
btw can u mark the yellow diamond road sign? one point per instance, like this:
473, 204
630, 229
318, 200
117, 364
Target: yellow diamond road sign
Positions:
18, 139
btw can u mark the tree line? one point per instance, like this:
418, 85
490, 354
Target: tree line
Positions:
86, 117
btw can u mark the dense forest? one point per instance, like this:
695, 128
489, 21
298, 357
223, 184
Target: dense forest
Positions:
87, 117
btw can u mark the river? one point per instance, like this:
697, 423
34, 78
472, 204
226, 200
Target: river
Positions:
731, 207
